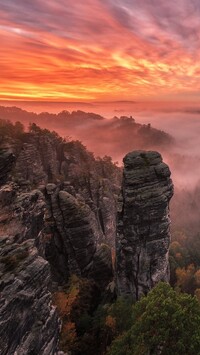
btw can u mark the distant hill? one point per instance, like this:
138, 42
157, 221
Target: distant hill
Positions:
103, 136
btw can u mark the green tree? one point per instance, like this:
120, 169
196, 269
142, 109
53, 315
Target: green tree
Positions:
165, 323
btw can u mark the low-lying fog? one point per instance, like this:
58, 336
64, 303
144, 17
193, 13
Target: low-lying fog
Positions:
115, 137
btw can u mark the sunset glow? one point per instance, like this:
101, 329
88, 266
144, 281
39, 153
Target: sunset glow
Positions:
100, 50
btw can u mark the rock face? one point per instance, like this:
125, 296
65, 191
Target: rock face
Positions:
70, 239
143, 235
29, 323
41, 158
57, 204
58, 194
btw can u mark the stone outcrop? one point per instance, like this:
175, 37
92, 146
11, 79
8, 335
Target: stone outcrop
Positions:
42, 158
57, 205
143, 235
22, 212
64, 199
70, 239
29, 322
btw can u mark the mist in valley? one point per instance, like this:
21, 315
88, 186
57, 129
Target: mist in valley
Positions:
114, 129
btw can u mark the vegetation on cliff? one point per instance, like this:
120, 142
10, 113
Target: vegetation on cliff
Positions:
164, 322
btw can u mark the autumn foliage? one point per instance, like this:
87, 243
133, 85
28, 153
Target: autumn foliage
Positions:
79, 299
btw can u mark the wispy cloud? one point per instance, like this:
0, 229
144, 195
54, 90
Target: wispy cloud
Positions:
99, 49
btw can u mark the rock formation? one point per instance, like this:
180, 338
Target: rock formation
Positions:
56, 209
29, 322
57, 194
143, 235
70, 239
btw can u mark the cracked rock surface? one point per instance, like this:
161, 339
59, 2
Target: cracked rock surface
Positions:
29, 323
143, 235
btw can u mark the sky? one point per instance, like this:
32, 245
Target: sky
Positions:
100, 50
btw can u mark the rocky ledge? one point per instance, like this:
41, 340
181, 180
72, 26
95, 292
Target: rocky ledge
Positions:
143, 235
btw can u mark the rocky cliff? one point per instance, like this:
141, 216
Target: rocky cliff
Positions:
143, 235
58, 194
57, 204
58, 207
29, 322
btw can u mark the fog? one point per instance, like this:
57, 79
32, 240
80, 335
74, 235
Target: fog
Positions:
174, 131
184, 157
105, 135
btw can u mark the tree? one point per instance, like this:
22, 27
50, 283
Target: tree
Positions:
164, 322
188, 279
19, 129
8, 129
33, 128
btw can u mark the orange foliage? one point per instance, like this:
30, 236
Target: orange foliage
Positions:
68, 335
71, 304
184, 274
65, 301
185, 278
110, 322
178, 256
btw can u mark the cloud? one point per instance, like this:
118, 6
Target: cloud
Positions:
99, 49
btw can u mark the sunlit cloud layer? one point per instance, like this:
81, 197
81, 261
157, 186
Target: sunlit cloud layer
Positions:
100, 50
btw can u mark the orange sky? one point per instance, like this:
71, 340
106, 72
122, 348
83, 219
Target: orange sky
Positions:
100, 50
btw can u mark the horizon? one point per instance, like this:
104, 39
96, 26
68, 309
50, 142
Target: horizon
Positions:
107, 109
